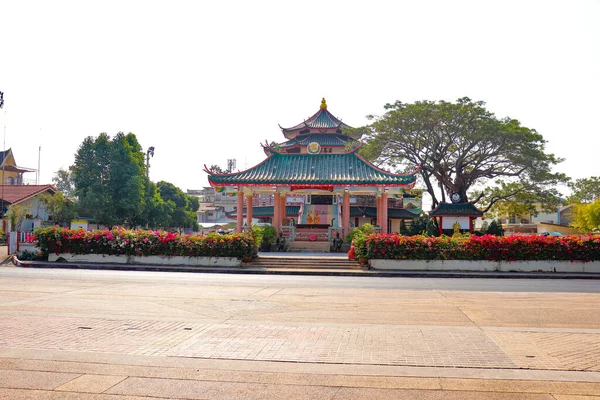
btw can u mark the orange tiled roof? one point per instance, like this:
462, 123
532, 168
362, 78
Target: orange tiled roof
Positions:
15, 193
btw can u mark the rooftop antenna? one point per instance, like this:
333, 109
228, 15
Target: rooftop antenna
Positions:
37, 176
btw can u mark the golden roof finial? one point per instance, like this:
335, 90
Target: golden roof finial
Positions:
323, 104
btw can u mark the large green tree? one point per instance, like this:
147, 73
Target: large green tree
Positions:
128, 179
586, 190
461, 146
91, 178
110, 179
184, 210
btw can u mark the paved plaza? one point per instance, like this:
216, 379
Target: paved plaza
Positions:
109, 334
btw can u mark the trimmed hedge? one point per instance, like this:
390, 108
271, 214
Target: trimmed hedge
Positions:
487, 247
142, 243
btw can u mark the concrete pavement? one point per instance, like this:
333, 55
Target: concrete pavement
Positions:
85, 334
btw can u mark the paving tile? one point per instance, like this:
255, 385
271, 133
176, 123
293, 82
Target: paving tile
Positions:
33, 379
91, 383
172, 388
385, 394
21, 394
523, 386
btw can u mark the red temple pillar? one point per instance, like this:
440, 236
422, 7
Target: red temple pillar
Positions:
346, 213
384, 213
249, 210
470, 224
240, 212
378, 211
441, 230
277, 211
282, 213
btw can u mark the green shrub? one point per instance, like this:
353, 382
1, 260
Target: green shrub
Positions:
365, 229
486, 247
142, 243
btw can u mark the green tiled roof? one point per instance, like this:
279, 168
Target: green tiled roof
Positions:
267, 211
458, 209
321, 138
322, 119
371, 212
313, 169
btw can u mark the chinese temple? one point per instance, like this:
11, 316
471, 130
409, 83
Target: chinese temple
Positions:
315, 183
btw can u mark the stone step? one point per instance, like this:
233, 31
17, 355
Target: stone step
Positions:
305, 263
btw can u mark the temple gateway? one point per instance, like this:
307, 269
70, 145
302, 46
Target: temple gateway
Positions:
315, 185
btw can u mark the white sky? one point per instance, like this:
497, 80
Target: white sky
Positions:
204, 81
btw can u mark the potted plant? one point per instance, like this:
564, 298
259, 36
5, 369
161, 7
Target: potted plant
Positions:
360, 247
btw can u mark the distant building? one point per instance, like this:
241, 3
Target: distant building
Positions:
11, 174
540, 222
27, 196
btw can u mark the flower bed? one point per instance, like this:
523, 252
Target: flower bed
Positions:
488, 247
142, 243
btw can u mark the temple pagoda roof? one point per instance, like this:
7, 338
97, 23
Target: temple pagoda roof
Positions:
346, 169
321, 120
321, 138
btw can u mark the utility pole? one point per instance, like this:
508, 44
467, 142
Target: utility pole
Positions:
2, 194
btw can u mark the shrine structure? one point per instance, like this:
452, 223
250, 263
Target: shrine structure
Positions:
315, 183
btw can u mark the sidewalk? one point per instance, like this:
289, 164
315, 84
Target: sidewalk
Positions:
52, 375
86, 335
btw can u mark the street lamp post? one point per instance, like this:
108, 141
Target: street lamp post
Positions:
149, 153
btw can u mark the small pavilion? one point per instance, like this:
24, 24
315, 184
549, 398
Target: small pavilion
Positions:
449, 214
315, 182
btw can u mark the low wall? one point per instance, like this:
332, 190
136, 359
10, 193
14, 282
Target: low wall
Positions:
149, 260
505, 266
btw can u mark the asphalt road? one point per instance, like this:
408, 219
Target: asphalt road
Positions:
462, 284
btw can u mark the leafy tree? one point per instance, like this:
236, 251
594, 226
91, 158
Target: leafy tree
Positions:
586, 217
461, 145
127, 179
110, 179
586, 190
61, 209
16, 214
495, 229
91, 177
433, 227
184, 210
419, 225
157, 212
522, 202
63, 182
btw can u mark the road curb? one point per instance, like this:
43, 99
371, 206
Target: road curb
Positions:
313, 272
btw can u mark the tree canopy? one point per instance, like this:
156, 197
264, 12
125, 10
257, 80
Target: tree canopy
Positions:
111, 185
586, 217
462, 146
586, 190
